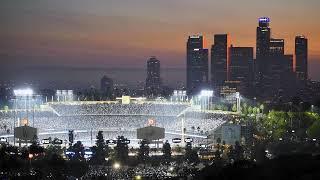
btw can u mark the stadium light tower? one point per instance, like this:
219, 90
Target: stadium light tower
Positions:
207, 94
238, 101
23, 92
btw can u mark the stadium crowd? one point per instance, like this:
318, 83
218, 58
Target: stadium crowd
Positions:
116, 108
113, 119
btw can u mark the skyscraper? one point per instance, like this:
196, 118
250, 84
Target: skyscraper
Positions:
106, 87
153, 80
273, 70
301, 55
241, 69
262, 66
263, 37
197, 64
220, 61
275, 65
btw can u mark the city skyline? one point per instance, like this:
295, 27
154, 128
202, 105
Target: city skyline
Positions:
47, 35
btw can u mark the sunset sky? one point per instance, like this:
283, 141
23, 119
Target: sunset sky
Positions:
124, 33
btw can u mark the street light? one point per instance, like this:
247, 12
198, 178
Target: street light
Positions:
30, 158
138, 177
171, 168
116, 165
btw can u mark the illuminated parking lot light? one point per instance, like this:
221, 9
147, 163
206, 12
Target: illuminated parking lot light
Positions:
171, 168
138, 177
30, 156
116, 165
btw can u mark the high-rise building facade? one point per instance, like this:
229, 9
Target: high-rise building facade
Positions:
106, 87
274, 66
274, 69
197, 65
301, 55
262, 68
153, 80
276, 47
263, 37
220, 61
241, 69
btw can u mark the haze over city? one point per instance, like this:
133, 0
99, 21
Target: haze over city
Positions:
160, 89
85, 40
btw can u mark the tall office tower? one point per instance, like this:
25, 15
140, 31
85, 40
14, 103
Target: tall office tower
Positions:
106, 87
274, 67
241, 69
286, 88
153, 80
220, 61
197, 65
263, 80
301, 55
263, 37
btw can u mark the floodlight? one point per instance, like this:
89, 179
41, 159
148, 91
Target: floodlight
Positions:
206, 93
23, 92
237, 95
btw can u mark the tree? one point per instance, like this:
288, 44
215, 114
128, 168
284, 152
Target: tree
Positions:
314, 130
254, 110
250, 110
276, 123
238, 151
193, 128
100, 151
121, 149
55, 163
217, 153
259, 153
244, 108
78, 151
166, 150
8, 157
144, 150
234, 108
261, 108
218, 140
51, 150
35, 148
231, 153
191, 155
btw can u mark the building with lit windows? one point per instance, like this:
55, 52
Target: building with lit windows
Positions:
197, 65
153, 80
241, 69
301, 55
220, 61
274, 75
